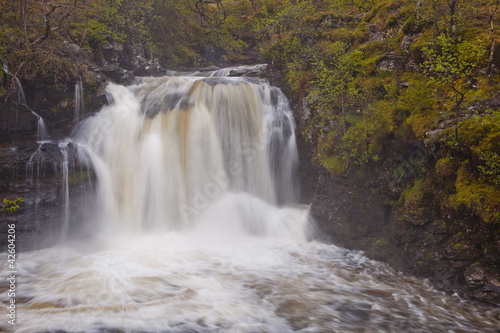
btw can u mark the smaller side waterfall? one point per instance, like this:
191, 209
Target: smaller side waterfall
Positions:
6, 67
79, 108
42, 130
21, 97
282, 148
65, 173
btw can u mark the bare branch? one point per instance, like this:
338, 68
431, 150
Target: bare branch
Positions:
51, 9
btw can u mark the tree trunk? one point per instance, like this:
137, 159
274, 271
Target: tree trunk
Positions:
22, 18
458, 102
493, 44
453, 17
420, 4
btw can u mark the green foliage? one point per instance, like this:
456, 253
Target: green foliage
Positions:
11, 206
364, 140
450, 16
417, 106
452, 61
334, 74
410, 168
333, 164
480, 145
97, 33
359, 5
481, 198
413, 195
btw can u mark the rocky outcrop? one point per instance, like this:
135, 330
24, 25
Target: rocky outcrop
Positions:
34, 172
362, 210
33, 169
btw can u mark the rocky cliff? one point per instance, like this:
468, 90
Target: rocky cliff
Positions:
363, 209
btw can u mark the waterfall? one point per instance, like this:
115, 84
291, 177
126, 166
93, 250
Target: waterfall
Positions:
6, 67
63, 146
207, 164
167, 149
41, 129
21, 97
79, 109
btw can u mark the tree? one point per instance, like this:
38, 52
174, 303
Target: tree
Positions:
492, 34
451, 16
333, 93
50, 8
333, 82
453, 62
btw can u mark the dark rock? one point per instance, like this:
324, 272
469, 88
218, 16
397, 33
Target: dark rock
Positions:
112, 50
360, 210
256, 70
307, 171
407, 42
483, 285
474, 275
412, 66
392, 62
34, 172
336, 22
375, 34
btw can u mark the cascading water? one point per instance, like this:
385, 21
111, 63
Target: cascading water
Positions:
41, 128
167, 148
41, 131
65, 189
79, 108
195, 193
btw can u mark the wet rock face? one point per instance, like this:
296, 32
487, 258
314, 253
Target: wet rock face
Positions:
484, 285
359, 210
354, 211
34, 172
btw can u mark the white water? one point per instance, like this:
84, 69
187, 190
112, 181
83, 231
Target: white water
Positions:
79, 106
63, 146
169, 147
190, 171
5, 67
41, 128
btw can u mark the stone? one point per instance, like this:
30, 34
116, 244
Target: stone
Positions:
392, 62
375, 34
474, 275
407, 42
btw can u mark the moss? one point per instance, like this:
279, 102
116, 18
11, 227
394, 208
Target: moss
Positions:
345, 35
362, 33
373, 52
479, 197
12, 206
445, 167
380, 245
333, 164
413, 26
413, 196
419, 107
